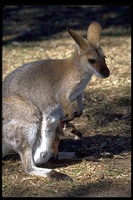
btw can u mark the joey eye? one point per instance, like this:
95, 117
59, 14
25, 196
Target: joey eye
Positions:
92, 61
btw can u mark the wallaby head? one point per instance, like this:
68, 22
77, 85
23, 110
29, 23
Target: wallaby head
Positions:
90, 48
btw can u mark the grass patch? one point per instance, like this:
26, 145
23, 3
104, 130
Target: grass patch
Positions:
105, 123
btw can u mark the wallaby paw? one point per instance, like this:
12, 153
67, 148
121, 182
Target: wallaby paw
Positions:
54, 175
77, 114
67, 119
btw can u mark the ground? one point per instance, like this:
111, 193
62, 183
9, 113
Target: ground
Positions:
106, 120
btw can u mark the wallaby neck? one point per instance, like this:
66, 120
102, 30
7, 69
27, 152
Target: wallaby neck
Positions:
81, 64
82, 75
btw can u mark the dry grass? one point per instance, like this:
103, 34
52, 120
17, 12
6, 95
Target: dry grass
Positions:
105, 124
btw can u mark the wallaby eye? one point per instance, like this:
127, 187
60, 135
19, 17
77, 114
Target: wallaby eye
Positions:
92, 61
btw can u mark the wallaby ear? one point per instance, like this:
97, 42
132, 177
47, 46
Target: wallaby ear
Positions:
93, 33
80, 41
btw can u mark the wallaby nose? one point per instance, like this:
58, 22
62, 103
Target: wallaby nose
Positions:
106, 73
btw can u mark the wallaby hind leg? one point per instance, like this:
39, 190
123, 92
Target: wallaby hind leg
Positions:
21, 125
21, 121
30, 167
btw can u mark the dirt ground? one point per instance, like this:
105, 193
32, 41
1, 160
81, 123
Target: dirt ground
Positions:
106, 120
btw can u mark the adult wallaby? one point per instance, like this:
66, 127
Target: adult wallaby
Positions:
35, 94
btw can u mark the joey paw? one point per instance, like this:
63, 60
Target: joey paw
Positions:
54, 175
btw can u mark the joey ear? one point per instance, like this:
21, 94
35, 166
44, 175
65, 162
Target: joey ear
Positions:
80, 41
93, 33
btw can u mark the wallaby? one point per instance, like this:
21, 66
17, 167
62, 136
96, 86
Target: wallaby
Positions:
36, 94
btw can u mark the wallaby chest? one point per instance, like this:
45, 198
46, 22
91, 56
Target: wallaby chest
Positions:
79, 86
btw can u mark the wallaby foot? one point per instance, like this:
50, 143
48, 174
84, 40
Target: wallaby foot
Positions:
31, 168
59, 176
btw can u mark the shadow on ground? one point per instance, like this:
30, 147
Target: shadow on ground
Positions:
31, 23
96, 189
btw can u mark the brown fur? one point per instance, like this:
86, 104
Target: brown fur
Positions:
36, 94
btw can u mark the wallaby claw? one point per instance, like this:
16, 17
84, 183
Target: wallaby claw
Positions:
59, 176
